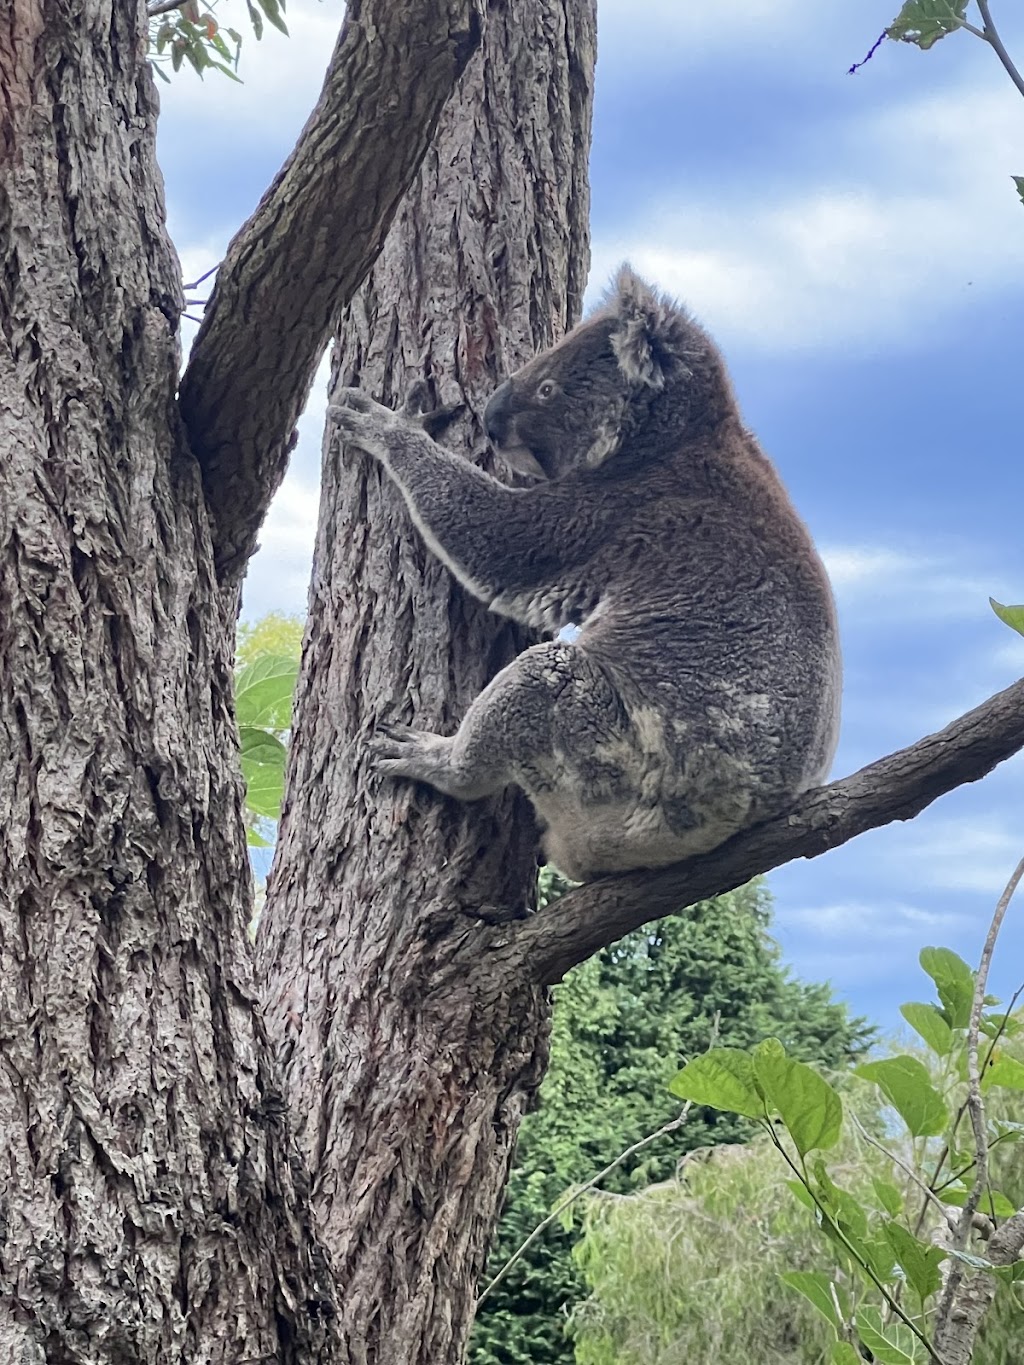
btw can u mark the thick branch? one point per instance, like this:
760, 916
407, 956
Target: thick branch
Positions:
897, 787
307, 248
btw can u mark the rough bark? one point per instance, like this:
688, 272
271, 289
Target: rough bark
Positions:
307, 248
896, 787
957, 1329
148, 1199
409, 1080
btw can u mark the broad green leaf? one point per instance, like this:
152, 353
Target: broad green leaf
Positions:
845, 1209
1018, 181
890, 1343
954, 982
993, 1203
1003, 1070
264, 691
924, 22
722, 1078
927, 1020
1012, 616
808, 1105
255, 839
888, 1196
802, 1194
817, 1289
263, 761
919, 1260
844, 1354
907, 1086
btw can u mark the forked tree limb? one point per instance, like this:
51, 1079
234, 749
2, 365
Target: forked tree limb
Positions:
896, 787
301, 256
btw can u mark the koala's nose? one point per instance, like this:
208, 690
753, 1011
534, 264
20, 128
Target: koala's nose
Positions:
496, 415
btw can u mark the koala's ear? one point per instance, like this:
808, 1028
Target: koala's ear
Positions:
642, 334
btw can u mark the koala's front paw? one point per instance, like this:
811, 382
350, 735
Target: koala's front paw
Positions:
362, 422
400, 751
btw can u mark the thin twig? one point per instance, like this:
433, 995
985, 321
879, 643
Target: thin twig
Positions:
205, 276
663, 1131
991, 36
975, 1107
827, 1217
907, 1170
852, 71
164, 7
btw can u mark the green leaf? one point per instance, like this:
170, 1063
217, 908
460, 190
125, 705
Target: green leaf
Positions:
844, 1354
919, 1260
263, 763
272, 10
890, 1343
1003, 1070
817, 1288
808, 1105
924, 22
255, 839
802, 1194
264, 691
888, 1196
993, 1203
722, 1078
1012, 616
1018, 181
928, 1021
907, 1086
968, 1258
954, 982
256, 19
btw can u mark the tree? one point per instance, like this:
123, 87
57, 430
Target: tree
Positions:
158, 1204
624, 1022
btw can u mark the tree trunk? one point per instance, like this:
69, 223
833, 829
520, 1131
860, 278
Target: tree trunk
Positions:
408, 1074
148, 1207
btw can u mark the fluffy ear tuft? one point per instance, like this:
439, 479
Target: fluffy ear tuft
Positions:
647, 333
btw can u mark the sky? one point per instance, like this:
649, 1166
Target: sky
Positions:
856, 246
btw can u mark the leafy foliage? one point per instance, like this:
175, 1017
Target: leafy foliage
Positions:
874, 1208
268, 655
924, 22
624, 1022
190, 33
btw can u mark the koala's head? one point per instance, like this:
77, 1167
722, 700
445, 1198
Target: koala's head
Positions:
639, 362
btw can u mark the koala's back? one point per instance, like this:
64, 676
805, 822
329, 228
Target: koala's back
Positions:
716, 628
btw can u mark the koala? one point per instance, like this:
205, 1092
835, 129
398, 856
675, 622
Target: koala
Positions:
701, 693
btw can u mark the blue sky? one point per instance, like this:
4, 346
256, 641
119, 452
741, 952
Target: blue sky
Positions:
856, 246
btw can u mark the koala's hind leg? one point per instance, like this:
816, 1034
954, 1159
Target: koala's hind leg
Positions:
549, 704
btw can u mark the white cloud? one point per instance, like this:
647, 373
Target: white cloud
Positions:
894, 585
970, 854
855, 921
921, 218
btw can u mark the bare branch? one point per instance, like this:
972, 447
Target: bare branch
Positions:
897, 787
306, 249
954, 1331
164, 7
991, 36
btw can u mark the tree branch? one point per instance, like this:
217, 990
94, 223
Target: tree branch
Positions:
303, 253
991, 36
897, 787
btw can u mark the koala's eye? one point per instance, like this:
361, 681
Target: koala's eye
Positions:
546, 389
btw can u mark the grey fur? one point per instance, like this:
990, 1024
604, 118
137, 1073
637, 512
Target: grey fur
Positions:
702, 693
